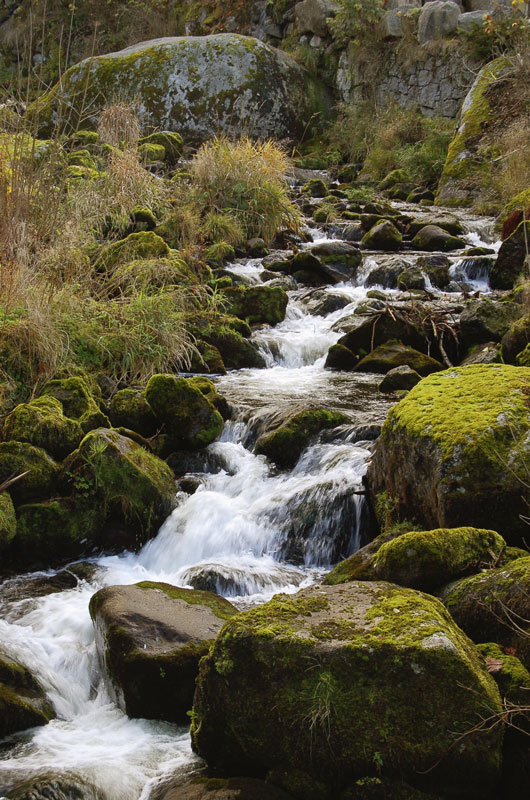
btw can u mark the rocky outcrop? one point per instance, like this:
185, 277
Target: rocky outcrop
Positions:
199, 86
150, 638
315, 684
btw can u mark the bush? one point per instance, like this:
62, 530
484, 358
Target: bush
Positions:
353, 17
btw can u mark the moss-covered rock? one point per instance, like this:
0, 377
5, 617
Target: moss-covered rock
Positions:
447, 222
134, 488
508, 266
486, 320
151, 274
393, 177
515, 340
40, 471
341, 358
411, 280
78, 402
189, 419
366, 333
8, 520
228, 335
23, 703
429, 559
316, 188
136, 246
494, 606
130, 409
382, 236
512, 678
150, 637
285, 444
358, 567
340, 664
396, 354
172, 143
207, 388
151, 153
432, 237
201, 86
452, 452
207, 359
399, 379
257, 304
42, 423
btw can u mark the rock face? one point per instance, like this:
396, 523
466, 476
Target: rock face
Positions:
320, 682
452, 452
151, 637
199, 86
23, 703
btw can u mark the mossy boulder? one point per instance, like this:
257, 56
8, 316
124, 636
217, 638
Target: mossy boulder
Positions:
494, 606
8, 520
428, 559
396, 354
207, 388
207, 359
515, 340
340, 357
509, 264
369, 647
200, 85
39, 469
382, 236
150, 153
358, 567
411, 280
23, 703
78, 402
486, 320
55, 531
150, 274
399, 379
189, 419
366, 333
172, 143
284, 445
136, 246
42, 423
432, 237
316, 187
512, 678
257, 304
451, 453
393, 177
134, 489
150, 637
130, 409
447, 222
228, 335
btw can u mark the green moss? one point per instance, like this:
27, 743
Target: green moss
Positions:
130, 409
17, 458
207, 359
8, 522
220, 607
43, 424
393, 177
151, 153
285, 445
520, 202
54, 531
260, 304
511, 677
395, 354
143, 245
315, 188
171, 142
427, 559
78, 402
207, 388
17, 712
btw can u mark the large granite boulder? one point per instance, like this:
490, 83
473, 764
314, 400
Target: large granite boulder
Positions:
437, 19
452, 452
198, 86
150, 637
337, 683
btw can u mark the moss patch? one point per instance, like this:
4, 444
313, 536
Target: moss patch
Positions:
284, 446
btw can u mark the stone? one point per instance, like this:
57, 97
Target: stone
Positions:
172, 143
371, 646
311, 16
471, 20
451, 452
487, 353
285, 445
340, 358
63, 786
42, 423
511, 258
395, 354
399, 379
257, 304
515, 340
201, 788
23, 703
365, 333
40, 471
358, 567
387, 272
447, 222
437, 19
8, 520
486, 320
393, 177
129, 409
78, 401
382, 236
229, 336
411, 280
201, 86
391, 25
486, 605
432, 237
150, 638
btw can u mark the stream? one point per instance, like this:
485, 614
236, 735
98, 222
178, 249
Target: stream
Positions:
248, 532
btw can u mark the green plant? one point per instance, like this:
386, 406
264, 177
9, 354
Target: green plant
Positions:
353, 17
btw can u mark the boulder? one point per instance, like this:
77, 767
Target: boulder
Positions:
386, 274
366, 333
63, 786
411, 280
494, 606
358, 567
370, 647
482, 354
257, 304
150, 638
321, 303
130, 409
130, 486
316, 187
340, 260
393, 177
188, 419
23, 703
285, 445
201, 788
486, 320
382, 236
399, 379
228, 335
340, 358
447, 222
432, 237
515, 339
395, 354
42, 423
78, 402
207, 388
437, 19
201, 86
429, 559
471, 20
8, 520
135, 247
171, 141
311, 16
511, 258
512, 678
451, 452
39, 469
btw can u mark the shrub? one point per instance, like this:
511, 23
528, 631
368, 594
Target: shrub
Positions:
353, 17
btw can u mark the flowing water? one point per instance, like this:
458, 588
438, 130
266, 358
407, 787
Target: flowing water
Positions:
248, 532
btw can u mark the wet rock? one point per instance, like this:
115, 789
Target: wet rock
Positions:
321, 303
450, 453
399, 379
189, 419
54, 787
395, 354
285, 445
487, 353
280, 261
79, 401
340, 358
387, 273
150, 637
419, 194
447, 222
411, 280
364, 334
130, 409
432, 237
486, 320
437, 268
23, 703
511, 258
39, 469
229, 336
257, 304
219, 789
362, 639
207, 388
487, 605
42, 423
382, 236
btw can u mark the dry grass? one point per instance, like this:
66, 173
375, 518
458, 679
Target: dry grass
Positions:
118, 125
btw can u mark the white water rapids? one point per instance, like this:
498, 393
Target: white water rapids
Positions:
249, 530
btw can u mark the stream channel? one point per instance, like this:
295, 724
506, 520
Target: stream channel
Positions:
251, 529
